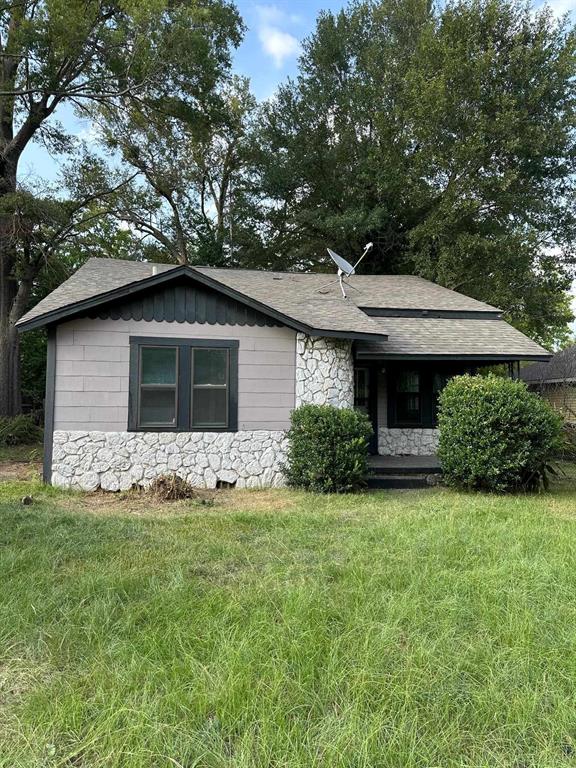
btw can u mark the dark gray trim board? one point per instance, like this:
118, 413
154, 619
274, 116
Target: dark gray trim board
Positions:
383, 356
183, 382
135, 287
49, 404
448, 314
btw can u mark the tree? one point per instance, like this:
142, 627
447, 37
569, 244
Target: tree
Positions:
445, 136
83, 52
184, 178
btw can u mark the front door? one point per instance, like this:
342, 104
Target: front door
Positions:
366, 399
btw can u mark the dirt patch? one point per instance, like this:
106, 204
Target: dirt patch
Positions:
20, 470
142, 504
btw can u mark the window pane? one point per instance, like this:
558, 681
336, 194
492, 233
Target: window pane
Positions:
158, 365
209, 407
211, 366
408, 381
408, 408
158, 406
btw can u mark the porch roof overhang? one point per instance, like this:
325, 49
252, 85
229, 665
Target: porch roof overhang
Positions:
451, 338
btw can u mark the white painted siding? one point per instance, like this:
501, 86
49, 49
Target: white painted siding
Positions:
92, 359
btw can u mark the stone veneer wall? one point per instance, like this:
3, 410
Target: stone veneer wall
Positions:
324, 371
407, 442
249, 459
117, 460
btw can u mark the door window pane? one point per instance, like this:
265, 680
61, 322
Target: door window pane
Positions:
158, 365
408, 381
408, 402
210, 407
361, 390
157, 406
210, 367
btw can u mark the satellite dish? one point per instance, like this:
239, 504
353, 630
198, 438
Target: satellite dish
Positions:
345, 269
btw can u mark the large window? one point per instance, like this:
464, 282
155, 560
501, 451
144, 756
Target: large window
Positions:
183, 384
414, 391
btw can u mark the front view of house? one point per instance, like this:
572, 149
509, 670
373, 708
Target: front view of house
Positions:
156, 369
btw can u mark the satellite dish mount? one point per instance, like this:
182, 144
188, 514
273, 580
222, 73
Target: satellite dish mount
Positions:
345, 269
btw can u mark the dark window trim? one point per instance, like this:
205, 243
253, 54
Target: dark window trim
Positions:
49, 400
184, 382
174, 386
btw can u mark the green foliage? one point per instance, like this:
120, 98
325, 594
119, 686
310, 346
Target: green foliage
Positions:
20, 430
328, 449
496, 435
445, 134
185, 180
33, 368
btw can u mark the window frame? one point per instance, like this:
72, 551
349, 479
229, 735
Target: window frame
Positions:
428, 397
171, 387
402, 396
184, 383
208, 387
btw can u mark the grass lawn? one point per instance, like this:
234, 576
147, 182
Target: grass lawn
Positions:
402, 629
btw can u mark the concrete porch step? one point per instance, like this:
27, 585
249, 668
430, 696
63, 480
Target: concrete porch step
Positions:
403, 465
397, 481
402, 471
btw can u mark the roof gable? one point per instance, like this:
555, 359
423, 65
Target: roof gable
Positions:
83, 292
181, 300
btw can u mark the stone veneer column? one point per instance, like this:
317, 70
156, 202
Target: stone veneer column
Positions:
324, 371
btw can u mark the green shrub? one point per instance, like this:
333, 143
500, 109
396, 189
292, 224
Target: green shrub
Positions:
496, 435
20, 430
328, 449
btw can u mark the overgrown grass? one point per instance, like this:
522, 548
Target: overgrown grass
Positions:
409, 629
22, 453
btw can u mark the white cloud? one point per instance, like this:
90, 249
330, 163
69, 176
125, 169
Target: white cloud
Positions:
89, 133
560, 7
276, 43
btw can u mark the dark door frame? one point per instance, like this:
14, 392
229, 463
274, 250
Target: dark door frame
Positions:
372, 368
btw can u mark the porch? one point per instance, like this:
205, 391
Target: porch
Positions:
401, 400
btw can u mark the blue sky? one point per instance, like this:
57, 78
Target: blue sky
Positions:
271, 46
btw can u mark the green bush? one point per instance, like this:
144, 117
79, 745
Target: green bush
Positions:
496, 435
20, 430
328, 449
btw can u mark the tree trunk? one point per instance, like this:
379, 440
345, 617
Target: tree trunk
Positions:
10, 396
10, 400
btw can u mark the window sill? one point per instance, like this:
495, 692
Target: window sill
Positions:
178, 429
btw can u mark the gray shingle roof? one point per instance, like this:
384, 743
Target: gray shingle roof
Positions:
464, 337
305, 299
560, 368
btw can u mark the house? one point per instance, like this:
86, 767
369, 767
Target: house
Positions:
155, 368
555, 380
